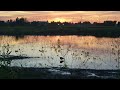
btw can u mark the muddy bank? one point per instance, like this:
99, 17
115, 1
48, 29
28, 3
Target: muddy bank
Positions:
12, 57
57, 73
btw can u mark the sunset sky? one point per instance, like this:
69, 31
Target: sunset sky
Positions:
69, 16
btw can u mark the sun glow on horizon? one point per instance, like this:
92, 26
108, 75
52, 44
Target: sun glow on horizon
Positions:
60, 20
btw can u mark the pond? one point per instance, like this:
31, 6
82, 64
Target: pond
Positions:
83, 52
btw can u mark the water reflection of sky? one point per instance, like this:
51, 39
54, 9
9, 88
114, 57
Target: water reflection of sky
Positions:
78, 51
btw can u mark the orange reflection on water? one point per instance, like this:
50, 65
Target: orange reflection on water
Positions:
87, 42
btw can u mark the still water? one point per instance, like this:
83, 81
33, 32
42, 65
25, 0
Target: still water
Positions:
85, 52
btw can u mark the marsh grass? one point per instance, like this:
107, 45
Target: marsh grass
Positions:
5, 71
4, 54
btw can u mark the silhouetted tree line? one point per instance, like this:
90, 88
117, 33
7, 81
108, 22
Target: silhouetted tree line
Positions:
24, 22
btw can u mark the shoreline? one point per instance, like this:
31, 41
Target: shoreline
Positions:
113, 32
58, 73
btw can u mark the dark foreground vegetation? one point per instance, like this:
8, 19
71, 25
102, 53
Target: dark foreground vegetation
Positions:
22, 27
56, 73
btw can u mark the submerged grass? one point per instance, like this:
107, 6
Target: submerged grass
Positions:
43, 73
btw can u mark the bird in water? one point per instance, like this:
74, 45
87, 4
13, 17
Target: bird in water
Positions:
61, 59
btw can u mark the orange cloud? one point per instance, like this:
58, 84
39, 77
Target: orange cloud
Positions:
74, 16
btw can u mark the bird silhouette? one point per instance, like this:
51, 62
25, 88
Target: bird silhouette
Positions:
61, 58
61, 61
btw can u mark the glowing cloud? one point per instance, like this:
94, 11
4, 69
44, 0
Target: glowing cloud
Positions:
69, 16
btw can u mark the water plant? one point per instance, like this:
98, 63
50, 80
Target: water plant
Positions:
4, 55
115, 47
5, 62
